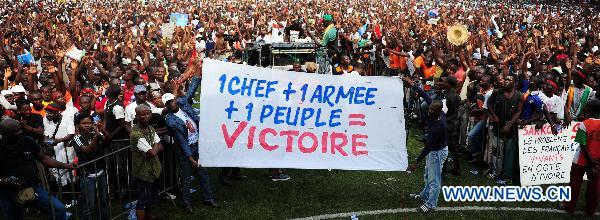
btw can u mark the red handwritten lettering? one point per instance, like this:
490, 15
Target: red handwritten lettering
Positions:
250, 144
358, 143
330, 142
314, 145
263, 143
324, 142
336, 146
575, 129
290, 138
229, 140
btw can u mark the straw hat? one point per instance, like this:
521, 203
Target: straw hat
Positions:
311, 67
457, 34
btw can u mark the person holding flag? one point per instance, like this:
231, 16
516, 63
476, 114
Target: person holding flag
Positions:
587, 161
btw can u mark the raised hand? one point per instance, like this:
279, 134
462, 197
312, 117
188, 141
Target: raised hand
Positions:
408, 81
7, 73
51, 69
60, 54
74, 64
32, 69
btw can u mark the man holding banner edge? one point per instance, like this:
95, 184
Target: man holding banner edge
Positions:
182, 124
435, 152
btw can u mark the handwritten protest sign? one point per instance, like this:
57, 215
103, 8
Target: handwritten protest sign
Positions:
74, 53
545, 158
265, 118
179, 19
167, 30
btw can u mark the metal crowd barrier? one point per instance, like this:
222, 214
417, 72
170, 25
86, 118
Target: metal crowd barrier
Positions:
120, 191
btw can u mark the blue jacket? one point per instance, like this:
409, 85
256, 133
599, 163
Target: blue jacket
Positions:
176, 126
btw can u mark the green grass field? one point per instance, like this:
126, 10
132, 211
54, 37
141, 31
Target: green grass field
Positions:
318, 192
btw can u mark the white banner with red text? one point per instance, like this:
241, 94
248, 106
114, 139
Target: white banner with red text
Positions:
545, 158
264, 118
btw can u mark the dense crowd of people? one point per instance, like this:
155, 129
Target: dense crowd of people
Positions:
79, 75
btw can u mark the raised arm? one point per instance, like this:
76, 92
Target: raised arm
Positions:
417, 89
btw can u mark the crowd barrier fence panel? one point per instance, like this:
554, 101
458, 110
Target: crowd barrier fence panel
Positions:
120, 189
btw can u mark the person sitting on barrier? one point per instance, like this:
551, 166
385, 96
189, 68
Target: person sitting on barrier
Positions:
19, 183
146, 166
87, 145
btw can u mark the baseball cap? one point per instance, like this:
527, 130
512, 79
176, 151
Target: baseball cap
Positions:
154, 87
6, 92
53, 107
17, 89
138, 89
87, 90
167, 97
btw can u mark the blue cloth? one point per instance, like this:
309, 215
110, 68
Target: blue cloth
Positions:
524, 86
532, 103
433, 13
210, 45
46, 204
177, 127
25, 58
92, 188
433, 177
475, 137
186, 181
362, 30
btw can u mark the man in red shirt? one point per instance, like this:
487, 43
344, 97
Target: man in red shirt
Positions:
588, 161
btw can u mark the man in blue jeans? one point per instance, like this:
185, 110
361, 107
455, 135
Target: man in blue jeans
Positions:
18, 156
182, 124
435, 150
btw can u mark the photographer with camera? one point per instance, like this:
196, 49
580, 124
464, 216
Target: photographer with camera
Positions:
19, 184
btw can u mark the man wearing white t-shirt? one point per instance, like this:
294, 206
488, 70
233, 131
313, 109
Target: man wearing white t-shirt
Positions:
200, 45
58, 130
553, 103
277, 31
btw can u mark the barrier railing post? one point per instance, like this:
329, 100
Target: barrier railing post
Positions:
108, 200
